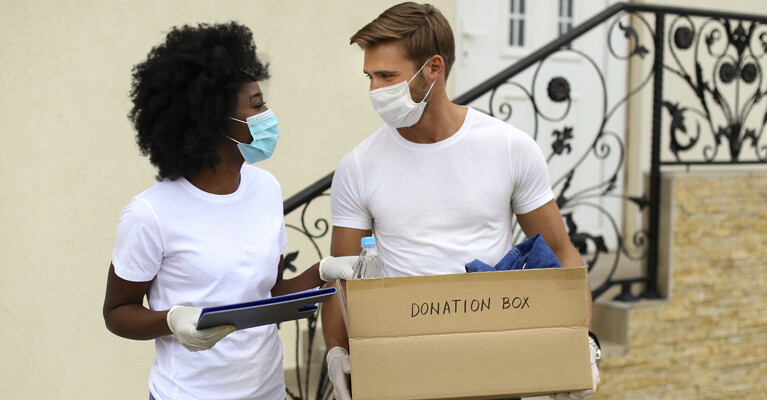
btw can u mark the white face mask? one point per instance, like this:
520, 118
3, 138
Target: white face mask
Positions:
395, 105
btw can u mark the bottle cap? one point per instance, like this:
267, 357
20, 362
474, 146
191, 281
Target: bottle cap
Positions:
368, 241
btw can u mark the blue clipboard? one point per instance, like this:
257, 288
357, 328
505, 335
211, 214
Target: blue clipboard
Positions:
264, 312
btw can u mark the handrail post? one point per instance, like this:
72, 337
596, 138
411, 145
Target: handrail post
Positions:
651, 289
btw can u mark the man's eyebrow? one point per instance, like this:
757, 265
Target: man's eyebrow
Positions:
380, 72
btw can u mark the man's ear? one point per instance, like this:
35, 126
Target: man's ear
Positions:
435, 68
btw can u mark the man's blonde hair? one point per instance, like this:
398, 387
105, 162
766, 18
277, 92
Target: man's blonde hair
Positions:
421, 28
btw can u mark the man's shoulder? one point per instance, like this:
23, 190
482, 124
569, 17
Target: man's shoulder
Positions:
494, 127
371, 144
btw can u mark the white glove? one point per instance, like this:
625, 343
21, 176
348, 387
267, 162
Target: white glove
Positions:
582, 394
332, 268
339, 371
182, 321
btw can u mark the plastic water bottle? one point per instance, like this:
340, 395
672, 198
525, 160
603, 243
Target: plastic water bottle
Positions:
369, 264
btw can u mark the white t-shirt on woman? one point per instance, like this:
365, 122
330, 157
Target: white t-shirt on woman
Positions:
200, 249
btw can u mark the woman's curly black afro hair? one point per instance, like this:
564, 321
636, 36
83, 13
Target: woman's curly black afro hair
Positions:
185, 91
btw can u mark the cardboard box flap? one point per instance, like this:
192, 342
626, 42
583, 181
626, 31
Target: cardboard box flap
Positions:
466, 303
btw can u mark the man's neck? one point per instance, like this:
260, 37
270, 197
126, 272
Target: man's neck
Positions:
441, 120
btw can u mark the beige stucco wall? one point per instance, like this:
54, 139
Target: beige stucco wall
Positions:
68, 161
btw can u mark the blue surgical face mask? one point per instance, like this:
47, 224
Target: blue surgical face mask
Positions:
263, 128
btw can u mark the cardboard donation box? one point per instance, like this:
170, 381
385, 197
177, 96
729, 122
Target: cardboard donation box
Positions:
484, 335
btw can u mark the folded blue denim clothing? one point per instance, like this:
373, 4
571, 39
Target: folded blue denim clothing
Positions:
530, 254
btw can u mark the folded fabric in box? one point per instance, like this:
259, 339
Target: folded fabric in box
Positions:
530, 254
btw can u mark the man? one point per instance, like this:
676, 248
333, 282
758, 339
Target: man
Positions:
440, 183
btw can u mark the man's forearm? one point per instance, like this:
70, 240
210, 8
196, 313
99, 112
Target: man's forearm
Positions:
333, 327
569, 257
574, 260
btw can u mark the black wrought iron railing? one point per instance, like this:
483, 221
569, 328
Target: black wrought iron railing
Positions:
699, 73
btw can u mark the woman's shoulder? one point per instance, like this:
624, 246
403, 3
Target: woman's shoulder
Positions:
160, 191
253, 175
253, 172
145, 203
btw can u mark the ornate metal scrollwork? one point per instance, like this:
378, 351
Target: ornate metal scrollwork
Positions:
605, 146
720, 62
310, 229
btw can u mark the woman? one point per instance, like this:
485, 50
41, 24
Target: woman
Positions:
211, 231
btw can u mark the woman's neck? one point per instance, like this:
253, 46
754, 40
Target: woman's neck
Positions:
224, 180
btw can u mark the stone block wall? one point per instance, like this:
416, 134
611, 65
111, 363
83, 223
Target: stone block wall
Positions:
708, 340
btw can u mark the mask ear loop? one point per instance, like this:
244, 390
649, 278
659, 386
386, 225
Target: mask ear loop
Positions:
419, 71
231, 138
432, 84
428, 91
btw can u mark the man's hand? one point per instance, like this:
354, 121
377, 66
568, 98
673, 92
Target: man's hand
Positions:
339, 371
182, 321
333, 268
582, 394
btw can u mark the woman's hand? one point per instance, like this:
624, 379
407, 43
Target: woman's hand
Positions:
334, 268
182, 320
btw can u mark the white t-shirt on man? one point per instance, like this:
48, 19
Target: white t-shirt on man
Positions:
200, 249
435, 207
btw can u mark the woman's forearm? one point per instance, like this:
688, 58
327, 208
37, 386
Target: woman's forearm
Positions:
134, 321
307, 280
